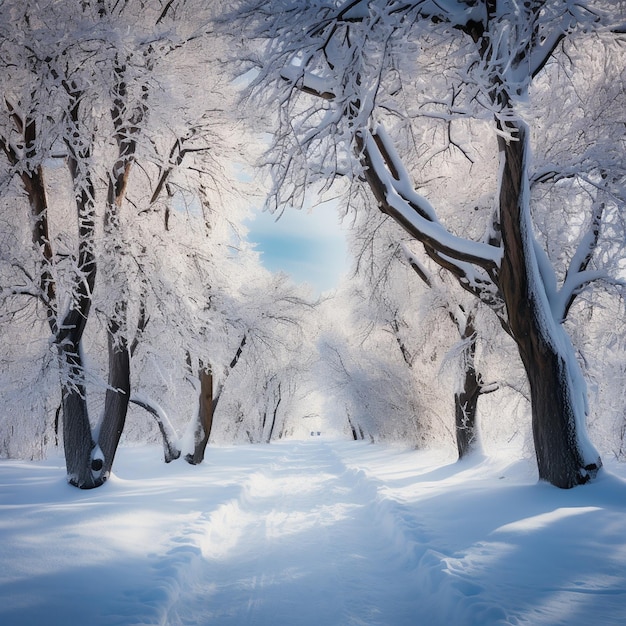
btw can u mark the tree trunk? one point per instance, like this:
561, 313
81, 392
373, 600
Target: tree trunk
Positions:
466, 400
77, 439
116, 400
208, 404
465, 407
355, 433
205, 417
275, 412
564, 456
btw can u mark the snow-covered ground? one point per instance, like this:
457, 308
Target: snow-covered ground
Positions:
310, 532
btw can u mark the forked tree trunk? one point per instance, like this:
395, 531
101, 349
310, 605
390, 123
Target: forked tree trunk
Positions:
209, 400
564, 456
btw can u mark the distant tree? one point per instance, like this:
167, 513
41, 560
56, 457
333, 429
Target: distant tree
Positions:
272, 381
379, 248
367, 367
471, 384
256, 355
451, 71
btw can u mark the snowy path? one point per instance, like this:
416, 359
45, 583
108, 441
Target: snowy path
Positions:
301, 539
299, 533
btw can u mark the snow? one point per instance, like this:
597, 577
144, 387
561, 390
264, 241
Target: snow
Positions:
549, 311
416, 210
316, 532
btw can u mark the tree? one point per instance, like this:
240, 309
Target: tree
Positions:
471, 384
379, 250
370, 371
258, 353
271, 385
84, 90
345, 72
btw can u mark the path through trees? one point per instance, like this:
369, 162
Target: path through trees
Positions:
310, 532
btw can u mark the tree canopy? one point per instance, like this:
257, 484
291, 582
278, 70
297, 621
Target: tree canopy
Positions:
474, 147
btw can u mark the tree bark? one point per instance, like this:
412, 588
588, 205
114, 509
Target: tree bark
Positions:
466, 400
465, 408
564, 458
116, 399
208, 403
78, 443
205, 417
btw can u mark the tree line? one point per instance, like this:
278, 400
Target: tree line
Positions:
475, 148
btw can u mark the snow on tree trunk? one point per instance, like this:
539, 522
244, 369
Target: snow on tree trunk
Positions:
171, 449
565, 457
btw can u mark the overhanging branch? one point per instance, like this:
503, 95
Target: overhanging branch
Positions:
390, 184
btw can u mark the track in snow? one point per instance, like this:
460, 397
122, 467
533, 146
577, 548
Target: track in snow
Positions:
302, 533
305, 537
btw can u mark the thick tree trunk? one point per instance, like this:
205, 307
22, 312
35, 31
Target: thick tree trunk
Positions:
564, 456
77, 439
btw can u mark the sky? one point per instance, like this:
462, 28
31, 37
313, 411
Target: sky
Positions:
309, 245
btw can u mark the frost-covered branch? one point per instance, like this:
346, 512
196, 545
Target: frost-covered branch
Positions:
171, 449
394, 190
176, 157
473, 263
417, 266
577, 275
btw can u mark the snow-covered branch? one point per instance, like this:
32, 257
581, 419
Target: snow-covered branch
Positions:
397, 196
474, 264
417, 266
577, 275
171, 449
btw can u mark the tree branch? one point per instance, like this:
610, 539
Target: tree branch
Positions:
576, 276
173, 163
391, 185
171, 450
